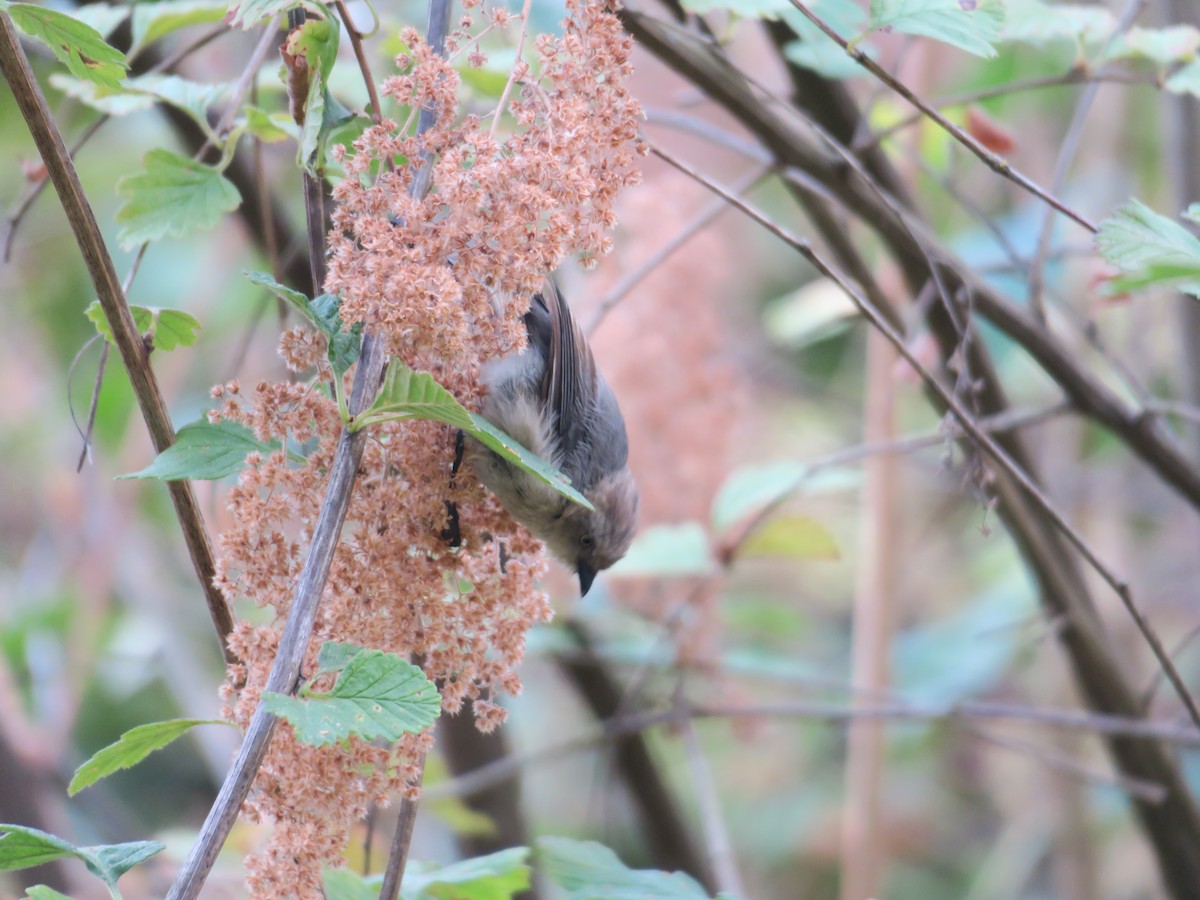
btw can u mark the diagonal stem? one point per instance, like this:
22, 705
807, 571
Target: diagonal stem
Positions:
32, 103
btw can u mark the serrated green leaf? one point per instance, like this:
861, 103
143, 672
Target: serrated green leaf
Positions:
104, 17
335, 656
497, 876
668, 551
1038, 23
317, 41
378, 695
270, 128
815, 50
22, 848
80, 46
204, 452
342, 345
166, 328
586, 870
192, 97
790, 537
110, 101
970, 25
417, 395
131, 748
1150, 248
152, 21
1176, 43
173, 196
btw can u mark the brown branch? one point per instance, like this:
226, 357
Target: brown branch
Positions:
993, 161
360, 55
393, 875
100, 267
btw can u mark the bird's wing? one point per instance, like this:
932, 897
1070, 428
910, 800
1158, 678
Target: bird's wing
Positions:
569, 386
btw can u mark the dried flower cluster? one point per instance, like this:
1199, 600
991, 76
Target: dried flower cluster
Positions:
424, 273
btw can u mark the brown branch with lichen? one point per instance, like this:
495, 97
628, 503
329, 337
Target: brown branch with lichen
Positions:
134, 352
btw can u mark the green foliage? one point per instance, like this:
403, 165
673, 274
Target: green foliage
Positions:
750, 9
165, 328
1186, 80
79, 46
751, 489
104, 17
336, 655
973, 27
1151, 249
132, 747
1038, 23
585, 870
22, 848
110, 101
41, 892
417, 395
790, 537
269, 128
173, 196
668, 551
497, 876
1158, 45
817, 51
204, 451
342, 344
377, 695
152, 21
249, 13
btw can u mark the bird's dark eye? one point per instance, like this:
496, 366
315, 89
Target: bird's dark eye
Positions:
587, 540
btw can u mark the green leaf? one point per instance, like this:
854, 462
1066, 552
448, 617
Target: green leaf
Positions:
41, 892
750, 489
22, 848
378, 695
335, 656
1176, 43
249, 13
1186, 80
152, 21
342, 345
1150, 248
1038, 23
749, 9
104, 17
205, 452
815, 50
497, 876
166, 328
790, 537
270, 128
816, 311
110, 101
78, 45
586, 870
668, 551
193, 97
346, 884
132, 747
317, 41
409, 394
173, 196
970, 25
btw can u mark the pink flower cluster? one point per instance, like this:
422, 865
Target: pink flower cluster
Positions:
433, 277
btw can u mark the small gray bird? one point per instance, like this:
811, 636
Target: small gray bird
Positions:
552, 399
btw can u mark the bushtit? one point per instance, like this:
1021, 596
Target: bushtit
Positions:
551, 398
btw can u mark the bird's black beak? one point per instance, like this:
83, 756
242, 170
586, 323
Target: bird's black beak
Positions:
586, 576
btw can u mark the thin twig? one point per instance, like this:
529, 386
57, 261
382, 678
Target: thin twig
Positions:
363, 66
993, 161
512, 75
393, 875
716, 832
813, 711
1078, 75
36, 113
1066, 154
980, 438
293, 644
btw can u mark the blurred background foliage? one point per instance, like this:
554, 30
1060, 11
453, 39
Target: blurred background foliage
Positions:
739, 367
